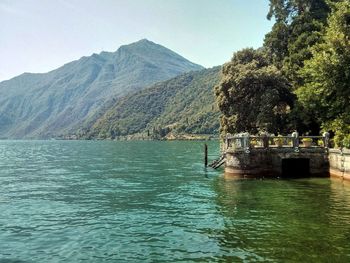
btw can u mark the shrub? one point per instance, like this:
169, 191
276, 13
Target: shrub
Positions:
346, 141
320, 142
278, 140
307, 140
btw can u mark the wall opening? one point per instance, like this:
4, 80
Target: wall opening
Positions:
295, 168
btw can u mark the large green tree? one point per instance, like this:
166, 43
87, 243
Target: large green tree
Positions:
253, 94
326, 92
286, 10
298, 26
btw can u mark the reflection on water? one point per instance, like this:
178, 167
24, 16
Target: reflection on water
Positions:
285, 220
153, 202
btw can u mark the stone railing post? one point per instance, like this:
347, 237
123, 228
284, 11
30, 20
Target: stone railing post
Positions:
246, 143
295, 141
265, 140
228, 140
326, 139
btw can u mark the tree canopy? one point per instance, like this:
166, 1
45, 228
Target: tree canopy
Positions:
287, 10
253, 94
326, 92
300, 79
298, 26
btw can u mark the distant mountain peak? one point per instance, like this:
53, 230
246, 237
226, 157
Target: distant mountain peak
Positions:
152, 51
57, 102
143, 43
144, 40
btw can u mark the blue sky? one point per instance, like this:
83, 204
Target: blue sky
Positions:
41, 35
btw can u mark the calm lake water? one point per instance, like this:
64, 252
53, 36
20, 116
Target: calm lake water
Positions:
85, 201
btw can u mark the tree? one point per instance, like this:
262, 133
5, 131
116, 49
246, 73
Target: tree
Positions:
286, 10
298, 27
306, 32
253, 95
326, 92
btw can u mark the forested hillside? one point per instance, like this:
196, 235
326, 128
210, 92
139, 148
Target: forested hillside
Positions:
184, 104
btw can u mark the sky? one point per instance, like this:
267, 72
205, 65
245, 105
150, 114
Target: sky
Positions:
41, 35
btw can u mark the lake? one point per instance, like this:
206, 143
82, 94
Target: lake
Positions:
142, 201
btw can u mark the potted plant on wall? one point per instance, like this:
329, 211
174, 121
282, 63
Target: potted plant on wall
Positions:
278, 141
253, 143
307, 142
320, 143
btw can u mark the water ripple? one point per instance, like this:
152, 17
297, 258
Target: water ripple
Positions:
153, 202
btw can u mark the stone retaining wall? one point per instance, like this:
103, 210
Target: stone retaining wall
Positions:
339, 163
268, 162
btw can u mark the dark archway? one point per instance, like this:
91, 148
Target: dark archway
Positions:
295, 168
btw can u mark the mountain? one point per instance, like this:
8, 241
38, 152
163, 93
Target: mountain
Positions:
184, 104
59, 102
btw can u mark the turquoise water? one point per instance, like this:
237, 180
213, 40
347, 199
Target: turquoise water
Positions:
85, 201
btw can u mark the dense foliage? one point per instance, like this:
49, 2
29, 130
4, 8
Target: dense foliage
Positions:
298, 26
326, 92
308, 51
184, 104
253, 94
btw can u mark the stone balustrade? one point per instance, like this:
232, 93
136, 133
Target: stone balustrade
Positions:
277, 156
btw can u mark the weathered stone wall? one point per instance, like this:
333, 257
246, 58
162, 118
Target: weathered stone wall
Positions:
250, 164
339, 163
268, 162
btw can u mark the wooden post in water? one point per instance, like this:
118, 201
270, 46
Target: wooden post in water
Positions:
205, 155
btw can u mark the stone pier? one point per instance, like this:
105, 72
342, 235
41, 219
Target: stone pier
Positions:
280, 156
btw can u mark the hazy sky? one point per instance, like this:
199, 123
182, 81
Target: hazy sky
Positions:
41, 35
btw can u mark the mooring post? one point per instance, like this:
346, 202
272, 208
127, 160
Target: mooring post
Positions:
205, 155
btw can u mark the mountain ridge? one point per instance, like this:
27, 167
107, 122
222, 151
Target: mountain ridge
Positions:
45, 105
